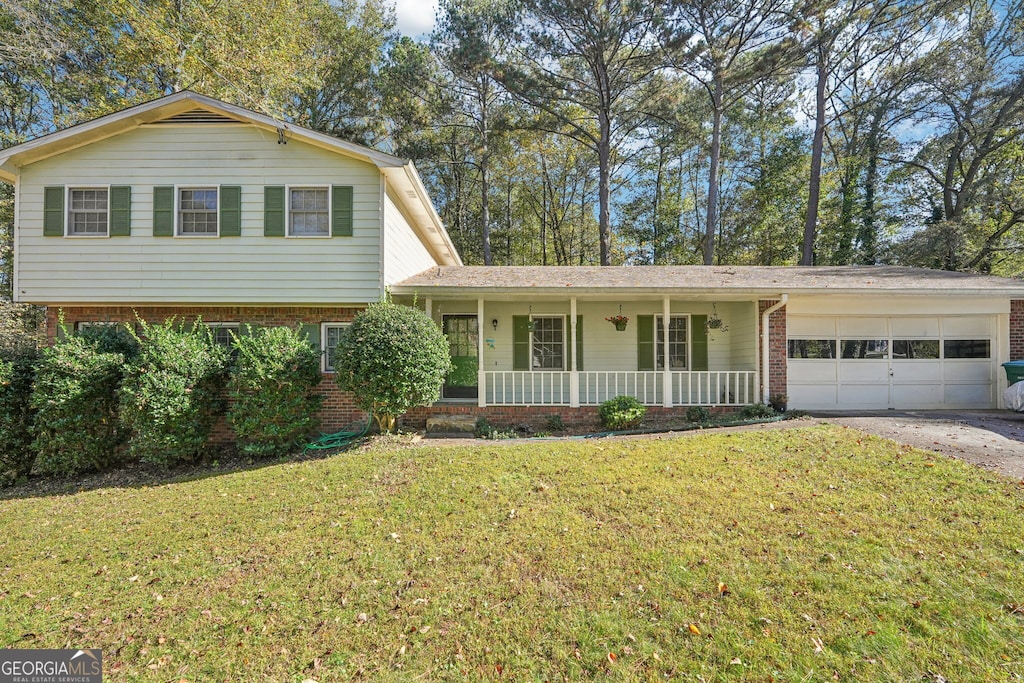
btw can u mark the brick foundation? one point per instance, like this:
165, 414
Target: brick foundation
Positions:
337, 412
778, 379
536, 416
1017, 329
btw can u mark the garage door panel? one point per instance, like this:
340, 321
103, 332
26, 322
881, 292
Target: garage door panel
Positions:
811, 327
864, 371
968, 395
917, 395
806, 372
813, 397
975, 326
969, 370
864, 395
862, 328
915, 327
916, 371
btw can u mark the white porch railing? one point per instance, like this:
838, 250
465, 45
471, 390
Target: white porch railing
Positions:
709, 388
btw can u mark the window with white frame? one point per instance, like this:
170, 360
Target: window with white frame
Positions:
88, 211
197, 211
222, 333
677, 342
548, 343
83, 325
330, 334
309, 212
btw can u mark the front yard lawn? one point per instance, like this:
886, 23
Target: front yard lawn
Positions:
805, 554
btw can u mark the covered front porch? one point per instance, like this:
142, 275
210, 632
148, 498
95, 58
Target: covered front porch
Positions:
518, 349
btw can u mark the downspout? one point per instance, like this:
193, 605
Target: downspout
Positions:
765, 345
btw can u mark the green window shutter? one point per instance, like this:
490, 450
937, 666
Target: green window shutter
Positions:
53, 211
644, 342
163, 211
341, 209
699, 343
521, 342
311, 331
273, 211
120, 210
230, 211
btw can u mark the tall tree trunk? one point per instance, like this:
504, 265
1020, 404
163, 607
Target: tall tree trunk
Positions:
716, 154
604, 192
656, 223
817, 149
485, 160
868, 237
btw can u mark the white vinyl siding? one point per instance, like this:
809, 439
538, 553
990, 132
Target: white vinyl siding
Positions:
250, 269
404, 254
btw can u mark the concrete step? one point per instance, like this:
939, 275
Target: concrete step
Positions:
451, 425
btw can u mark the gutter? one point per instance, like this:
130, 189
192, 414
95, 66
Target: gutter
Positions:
765, 345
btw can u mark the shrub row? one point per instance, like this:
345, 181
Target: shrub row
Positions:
107, 393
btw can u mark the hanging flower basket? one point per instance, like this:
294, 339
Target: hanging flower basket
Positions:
619, 321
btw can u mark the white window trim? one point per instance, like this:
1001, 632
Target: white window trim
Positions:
323, 344
689, 341
67, 212
565, 343
177, 211
86, 324
288, 211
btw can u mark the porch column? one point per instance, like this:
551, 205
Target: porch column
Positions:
574, 377
481, 387
666, 318
428, 307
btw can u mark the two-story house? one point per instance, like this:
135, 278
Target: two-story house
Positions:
186, 206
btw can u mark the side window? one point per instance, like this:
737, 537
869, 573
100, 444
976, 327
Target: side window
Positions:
88, 211
309, 212
330, 335
222, 333
197, 211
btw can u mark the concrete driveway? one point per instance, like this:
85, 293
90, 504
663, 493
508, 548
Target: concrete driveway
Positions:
987, 438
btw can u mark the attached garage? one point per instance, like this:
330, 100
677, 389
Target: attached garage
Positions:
861, 362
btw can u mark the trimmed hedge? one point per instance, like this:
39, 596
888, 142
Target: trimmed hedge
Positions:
76, 427
17, 374
273, 408
392, 358
172, 393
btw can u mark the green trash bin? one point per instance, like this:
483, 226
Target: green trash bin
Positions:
1014, 371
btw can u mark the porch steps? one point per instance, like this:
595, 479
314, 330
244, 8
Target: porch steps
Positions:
457, 426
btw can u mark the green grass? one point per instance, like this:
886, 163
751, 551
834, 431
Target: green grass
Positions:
846, 557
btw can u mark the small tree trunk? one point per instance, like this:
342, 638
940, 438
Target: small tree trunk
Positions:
817, 149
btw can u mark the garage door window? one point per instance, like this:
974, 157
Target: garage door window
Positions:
915, 349
812, 348
865, 349
967, 348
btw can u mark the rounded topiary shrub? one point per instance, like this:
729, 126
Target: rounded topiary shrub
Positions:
173, 392
273, 407
75, 400
392, 358
621, 412
17, 373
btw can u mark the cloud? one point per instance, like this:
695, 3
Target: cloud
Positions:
415, 18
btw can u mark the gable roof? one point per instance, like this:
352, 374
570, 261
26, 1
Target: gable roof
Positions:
400, 173
703, 280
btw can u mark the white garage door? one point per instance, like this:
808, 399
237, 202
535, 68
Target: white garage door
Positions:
861, 363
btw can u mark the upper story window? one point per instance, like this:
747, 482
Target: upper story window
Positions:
197, 211
87, 211
309, 212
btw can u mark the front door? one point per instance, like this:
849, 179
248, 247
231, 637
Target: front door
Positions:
463, 336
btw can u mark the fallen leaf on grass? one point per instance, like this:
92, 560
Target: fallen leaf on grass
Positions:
723, 588
818, 645
694, 630
612, 657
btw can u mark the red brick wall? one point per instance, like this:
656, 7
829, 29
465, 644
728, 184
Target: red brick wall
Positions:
777, 374
1017, 329
338, 410
535, 416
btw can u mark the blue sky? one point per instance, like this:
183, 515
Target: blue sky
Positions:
415, 17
